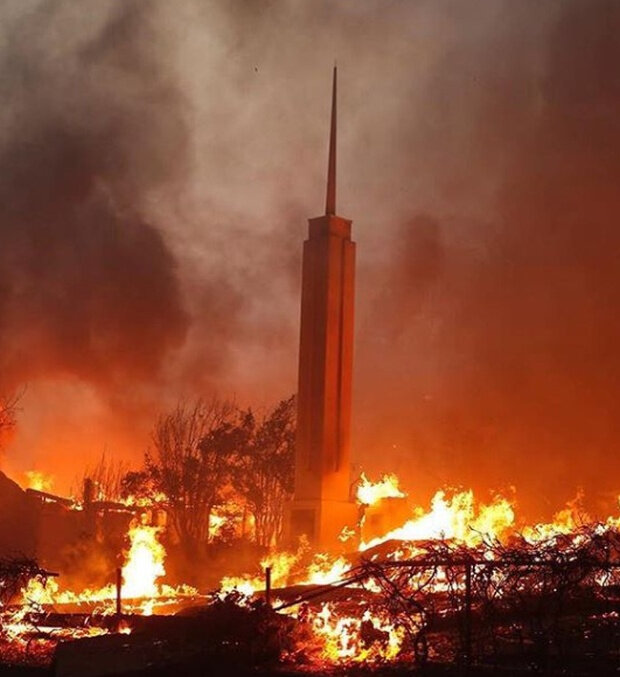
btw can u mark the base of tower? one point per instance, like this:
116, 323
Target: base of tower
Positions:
321, 522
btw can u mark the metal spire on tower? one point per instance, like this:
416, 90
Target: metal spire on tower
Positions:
330, 202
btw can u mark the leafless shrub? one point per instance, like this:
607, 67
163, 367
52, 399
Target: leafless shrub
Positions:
15, 573
532, 595
9, 406
106, 478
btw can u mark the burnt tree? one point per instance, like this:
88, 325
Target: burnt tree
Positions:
265, 470
190, 464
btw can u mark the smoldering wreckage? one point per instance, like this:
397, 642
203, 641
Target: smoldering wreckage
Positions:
360, 577
456, 585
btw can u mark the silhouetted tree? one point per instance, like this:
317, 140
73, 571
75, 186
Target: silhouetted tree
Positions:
193, 454
15, 573
8, 412
140, 485
214, 455
265, 468
106, 477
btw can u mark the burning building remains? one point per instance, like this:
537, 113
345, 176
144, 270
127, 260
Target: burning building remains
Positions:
459, 583
245, 539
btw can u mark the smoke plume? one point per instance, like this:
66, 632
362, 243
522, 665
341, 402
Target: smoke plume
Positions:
158, 162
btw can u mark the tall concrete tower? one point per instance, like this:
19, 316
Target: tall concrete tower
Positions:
322, 505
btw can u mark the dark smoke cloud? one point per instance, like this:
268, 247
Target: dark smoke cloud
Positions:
524, 332
158, 161
549, 359
88, 288
413, 270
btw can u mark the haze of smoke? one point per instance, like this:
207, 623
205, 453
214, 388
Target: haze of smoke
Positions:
89, 288
520, 324
476, 158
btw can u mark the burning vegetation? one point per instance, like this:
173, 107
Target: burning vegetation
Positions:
500, 298
462, 581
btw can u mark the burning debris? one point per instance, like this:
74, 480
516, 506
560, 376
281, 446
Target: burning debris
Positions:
456, 583
96, 298
15, 574
368, 493
39, 481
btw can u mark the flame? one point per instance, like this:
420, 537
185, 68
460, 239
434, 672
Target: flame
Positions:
39, 481
369, 493
456, 518
341, 635
156, 499
351, 637
324, 569
282, 565
141, 571
145, 562
564, 522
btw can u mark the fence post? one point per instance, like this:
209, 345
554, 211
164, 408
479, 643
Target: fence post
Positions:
119, 585
268, 586
467, 616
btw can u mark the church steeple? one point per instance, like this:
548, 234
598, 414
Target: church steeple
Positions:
322, 504
330, 202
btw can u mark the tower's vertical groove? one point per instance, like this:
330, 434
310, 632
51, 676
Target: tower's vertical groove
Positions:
330, 200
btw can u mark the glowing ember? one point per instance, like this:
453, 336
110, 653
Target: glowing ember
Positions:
354, 638
357, 629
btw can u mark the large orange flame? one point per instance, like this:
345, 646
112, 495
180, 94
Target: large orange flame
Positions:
35, 479
144, 564
369, 493
453, 516
458, 517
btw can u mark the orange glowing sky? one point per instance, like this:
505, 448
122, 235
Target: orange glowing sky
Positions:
158, 162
